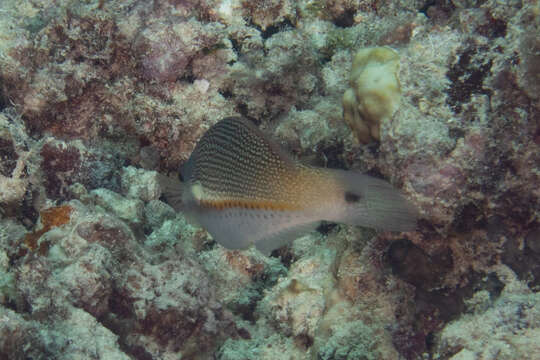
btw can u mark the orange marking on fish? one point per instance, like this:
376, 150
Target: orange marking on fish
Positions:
249, 204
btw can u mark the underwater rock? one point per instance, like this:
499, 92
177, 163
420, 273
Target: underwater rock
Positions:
266, 13
75, 334
124, 208
352, 340
8, 154
140, 184
94, 264
80, 335
297, 304
88, 281
156, 212
14, 179
508, 329
15, 333
172, 303
166, 50
309, 131
83, 99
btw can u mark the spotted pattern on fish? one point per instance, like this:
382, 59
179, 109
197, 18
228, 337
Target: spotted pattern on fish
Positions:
245, 190
237, 167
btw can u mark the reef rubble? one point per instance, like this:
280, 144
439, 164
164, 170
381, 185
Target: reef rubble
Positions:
99, 97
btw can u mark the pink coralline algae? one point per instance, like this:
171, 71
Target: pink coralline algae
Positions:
168, 49
99, 98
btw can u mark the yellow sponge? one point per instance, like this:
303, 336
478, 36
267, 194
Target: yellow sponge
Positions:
374, 92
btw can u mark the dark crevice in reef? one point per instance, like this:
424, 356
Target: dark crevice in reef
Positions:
3, 102
470, 216
285, 256
8, 156
424, 9
188, 76
28, 215
330, 154
242, 108
346, 19
492, 28
226, 93
235, 45
425, 271
434, 305
433, 310
275, 28
467, 77
253, 293
326, 227
456, 133
410, 263
304, 341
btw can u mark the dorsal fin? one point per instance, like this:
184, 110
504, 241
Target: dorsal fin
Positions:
235, 160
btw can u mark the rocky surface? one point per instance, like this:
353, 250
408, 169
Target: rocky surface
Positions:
98, 97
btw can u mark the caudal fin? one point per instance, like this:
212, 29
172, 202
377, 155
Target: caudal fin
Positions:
374, 203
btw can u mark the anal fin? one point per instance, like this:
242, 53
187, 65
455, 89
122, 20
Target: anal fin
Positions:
283, 237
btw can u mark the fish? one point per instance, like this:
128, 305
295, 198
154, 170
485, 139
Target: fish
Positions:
246, 191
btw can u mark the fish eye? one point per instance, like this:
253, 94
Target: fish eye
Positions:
351, 197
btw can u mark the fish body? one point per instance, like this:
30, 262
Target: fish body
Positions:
244, 190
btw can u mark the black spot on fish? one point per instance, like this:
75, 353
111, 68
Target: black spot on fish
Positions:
352, 197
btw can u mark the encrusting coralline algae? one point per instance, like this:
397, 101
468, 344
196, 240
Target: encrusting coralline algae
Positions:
99, 97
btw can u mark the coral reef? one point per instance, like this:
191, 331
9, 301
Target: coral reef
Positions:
506, 329
374, 94
98, 97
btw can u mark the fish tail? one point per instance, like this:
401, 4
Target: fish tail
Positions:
172, 190
370, 202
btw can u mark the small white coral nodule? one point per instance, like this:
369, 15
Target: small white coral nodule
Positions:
374, 92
